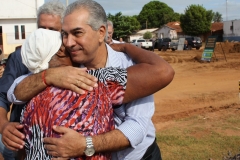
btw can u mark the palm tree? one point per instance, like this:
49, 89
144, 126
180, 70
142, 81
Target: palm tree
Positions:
217, 17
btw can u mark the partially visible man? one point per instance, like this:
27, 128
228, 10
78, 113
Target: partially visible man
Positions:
49, 16
110, 31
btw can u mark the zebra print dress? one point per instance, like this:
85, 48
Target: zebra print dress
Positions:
88, 114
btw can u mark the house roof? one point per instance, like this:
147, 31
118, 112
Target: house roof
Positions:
174, 25
147, 30
216, 26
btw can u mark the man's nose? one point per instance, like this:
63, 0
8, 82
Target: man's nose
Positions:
69, 41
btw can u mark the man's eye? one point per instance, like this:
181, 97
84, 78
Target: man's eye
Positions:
63, 33
78, 33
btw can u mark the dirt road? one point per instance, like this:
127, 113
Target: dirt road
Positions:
197, 87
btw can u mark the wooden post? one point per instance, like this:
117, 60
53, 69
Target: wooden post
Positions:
223, 51
239, 90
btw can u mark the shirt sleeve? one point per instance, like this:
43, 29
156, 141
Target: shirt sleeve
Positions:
13, 69
10, 94
134, 119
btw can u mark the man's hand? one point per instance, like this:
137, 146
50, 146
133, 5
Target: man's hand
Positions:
70, 144
12, 138
75, 79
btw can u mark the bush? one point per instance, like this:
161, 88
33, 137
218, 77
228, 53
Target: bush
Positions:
147, 35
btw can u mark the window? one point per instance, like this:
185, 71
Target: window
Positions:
1, 42
23, 31
16, 32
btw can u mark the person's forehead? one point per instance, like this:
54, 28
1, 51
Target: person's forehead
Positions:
76, 19
110, 28
49, 21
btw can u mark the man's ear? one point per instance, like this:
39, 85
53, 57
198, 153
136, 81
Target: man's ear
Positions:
102, 33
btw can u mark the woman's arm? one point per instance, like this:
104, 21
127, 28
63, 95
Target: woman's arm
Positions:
149, 75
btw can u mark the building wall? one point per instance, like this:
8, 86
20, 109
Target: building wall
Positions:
231, 30
17, 13
166, 32
9, 41
19, 8
132, 37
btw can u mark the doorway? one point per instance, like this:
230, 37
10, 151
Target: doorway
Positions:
1, 39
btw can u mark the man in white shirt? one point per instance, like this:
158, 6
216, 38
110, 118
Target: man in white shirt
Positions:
110, 33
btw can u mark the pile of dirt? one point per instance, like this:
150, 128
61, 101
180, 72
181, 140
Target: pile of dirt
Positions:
227, 47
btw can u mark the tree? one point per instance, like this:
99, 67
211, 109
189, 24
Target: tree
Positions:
155, 14
217, 17
196, 20
147, 35
123, 25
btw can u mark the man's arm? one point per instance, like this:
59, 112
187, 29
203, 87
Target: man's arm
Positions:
75, 79
109, 141
11, 136
149, 75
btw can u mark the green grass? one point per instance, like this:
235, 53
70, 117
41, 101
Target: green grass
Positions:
197, 140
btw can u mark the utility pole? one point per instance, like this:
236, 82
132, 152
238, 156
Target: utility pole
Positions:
66, 2
226, 10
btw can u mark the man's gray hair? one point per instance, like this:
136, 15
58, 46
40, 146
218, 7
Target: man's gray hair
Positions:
110, 23
52, 8
97, 15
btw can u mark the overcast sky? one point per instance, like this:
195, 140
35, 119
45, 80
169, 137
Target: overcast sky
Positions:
133, 7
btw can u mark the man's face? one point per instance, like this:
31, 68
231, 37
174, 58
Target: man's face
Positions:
81, 41
51, 22
110, 33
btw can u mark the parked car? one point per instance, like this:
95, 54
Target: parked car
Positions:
166, 43
143, 43
194, 42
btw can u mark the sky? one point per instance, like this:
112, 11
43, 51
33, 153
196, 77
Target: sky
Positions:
228, 8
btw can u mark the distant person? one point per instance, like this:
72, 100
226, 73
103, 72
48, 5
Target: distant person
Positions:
121, 40
154, 40
185, 45
110, 31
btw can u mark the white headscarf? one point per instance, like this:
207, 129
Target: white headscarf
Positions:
38, 49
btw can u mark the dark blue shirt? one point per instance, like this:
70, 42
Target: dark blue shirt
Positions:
13, 70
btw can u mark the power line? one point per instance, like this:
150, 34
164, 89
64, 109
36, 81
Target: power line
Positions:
26, 4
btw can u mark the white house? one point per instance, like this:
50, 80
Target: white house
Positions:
17, 21
231, 30
170, 30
